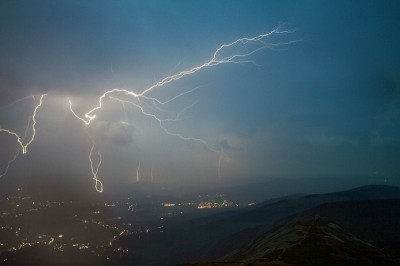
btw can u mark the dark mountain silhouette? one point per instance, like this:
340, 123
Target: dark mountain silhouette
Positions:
374, 220
340, 233
268, 214
210, 238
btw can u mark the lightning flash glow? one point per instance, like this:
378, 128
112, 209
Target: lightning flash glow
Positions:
21, 145
138, 173
149, 106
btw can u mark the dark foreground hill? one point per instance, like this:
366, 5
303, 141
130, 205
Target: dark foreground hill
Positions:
209, 239
341, 233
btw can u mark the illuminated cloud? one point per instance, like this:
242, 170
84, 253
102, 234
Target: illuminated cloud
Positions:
302, 109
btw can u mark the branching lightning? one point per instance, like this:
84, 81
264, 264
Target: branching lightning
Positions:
150, 106
10, 162
20, 142
217, 59
94, 167
17, 152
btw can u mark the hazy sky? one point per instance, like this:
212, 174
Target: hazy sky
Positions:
327, 105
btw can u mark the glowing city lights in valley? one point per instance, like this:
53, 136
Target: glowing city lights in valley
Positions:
149, 106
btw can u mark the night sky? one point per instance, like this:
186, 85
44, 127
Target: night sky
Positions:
327, 105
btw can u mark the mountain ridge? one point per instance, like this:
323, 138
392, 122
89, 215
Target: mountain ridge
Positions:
303, 238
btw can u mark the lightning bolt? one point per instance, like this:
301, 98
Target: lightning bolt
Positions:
17, 153
140, 100
95, 167
150, 106
151, 175
217, 59
25, 147
5, 172
20, 142
138, 173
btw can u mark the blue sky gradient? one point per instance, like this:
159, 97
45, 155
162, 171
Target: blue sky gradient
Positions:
327, 105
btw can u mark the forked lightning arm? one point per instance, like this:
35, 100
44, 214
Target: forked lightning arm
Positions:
20, 142
142, 100
216, 59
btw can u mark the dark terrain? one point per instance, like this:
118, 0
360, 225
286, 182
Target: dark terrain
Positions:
353, 227
341, 233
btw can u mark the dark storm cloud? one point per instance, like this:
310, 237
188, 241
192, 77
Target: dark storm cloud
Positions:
62, 45
329, 104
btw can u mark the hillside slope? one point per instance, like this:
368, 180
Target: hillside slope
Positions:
341, 233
